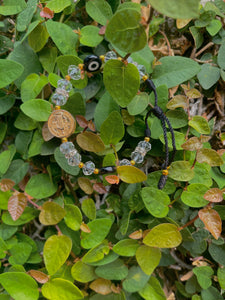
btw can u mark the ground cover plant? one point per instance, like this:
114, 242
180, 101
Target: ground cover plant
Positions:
64, 235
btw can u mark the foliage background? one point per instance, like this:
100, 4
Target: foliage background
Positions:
63, 236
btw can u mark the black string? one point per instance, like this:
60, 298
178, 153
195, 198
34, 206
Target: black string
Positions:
157, 111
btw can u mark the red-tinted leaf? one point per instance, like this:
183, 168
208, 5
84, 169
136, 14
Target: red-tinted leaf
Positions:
83, 123
101, 286
214, 195
46, 134
6, 184
211, 220
38, 276
99, 187
102, 30
85, 184
16, 205
91, 125
47, 13
136, 235
112, 179
84, 227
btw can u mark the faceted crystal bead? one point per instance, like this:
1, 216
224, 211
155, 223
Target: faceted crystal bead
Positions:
64, 85
71, 153
140, 150
141, 70
67, 147
137, 157
125, 162
74, 72
110, 55
88, 168
75, 159
60, 97
146, 145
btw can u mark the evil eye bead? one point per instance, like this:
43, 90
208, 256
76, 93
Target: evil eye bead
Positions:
92, 63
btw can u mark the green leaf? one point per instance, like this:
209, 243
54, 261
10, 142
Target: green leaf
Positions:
193, 196
135, 280
9, 71
200, 124
28, 215
20, 285
202, 174
47, 57
177, 10
38, 37
197, 36
220, 57
36, 143
99, 10
174, 70
3, 129
58, 289
25, 16
126, 247
63, 37
162, 93
40, 186
138, 104
156, 201
211, 294
82, 272
99, 255
208, 76
164, 235
130, 174
179, 139
6, 103
88, 208
148, 258
144, 56
218, 253
37, 109
6, 158
20, 253
152, 290
62, 162
73, 217
23, 122
12, 7
221, 277
89, 36
112, 129
210, 157
177, 118
99, 230
125, 31
121, 81
51, 213
56, 251
58, 5
113, 271
204, 274
153, 179
4, 197
90, 141
214, 27
181, 171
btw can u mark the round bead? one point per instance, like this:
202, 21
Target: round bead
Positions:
74, 72
145, 77
132, 162
88, 168
67, 77
71, 153
141, 150
165, 172
147, 139
64, 85
60, 97
66, 147
92, 63
137, 157
110, 55
64, 140
81, 165
125, 162
96, 171
146, 145
75, 159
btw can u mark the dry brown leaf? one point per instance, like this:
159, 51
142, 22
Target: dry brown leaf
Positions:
46, 134
83, 123
6, 184
182, 23
47, 13
38, 276
100, 188
91, 125
115, 289
186, 276
212, 221
101, 286
171, 297
214, 195
16, 205
84, 227
136, 235
86, 185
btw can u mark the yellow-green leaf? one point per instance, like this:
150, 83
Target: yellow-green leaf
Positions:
130, 174
181, 171
177, 101
51, 213
82, 272
192, 144
210, 157
148, 258
90, 141
89, 209
200, 124
73, 217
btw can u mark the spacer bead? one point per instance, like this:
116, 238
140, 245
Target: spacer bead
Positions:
102, 57
81, 165
64, 140
132, 162
67, 77
119, 58
145, 77
147, 139
57, 107
165, 172
96, 171
81, 66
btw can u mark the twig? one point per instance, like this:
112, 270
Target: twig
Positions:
188, 223
204, 48
179, 261
68, 183
170, 51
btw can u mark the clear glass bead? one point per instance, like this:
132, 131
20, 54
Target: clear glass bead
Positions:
110, 55
74, 72
137, 157
66, 147
71, 153
75, 159
125, 162
146, 145
64, 85
141, 70
59, 97
88, 168
140, 150
130, 61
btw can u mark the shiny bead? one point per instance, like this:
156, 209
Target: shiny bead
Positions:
96, 171
60, 97
119, 58
64, 140
146, 145
137, 157
70, 153
147, 139
102, 57
125, 162
57, 107
81, 165
141, 150
132, 162
67, 77
88, 168
110, 55
141, 70
165, 172
64, 85
66, 147
92, 63
74, 160
74, 72
145, 77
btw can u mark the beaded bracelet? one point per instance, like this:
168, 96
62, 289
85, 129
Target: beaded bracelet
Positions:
61, 123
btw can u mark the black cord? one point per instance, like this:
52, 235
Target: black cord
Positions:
157, 111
